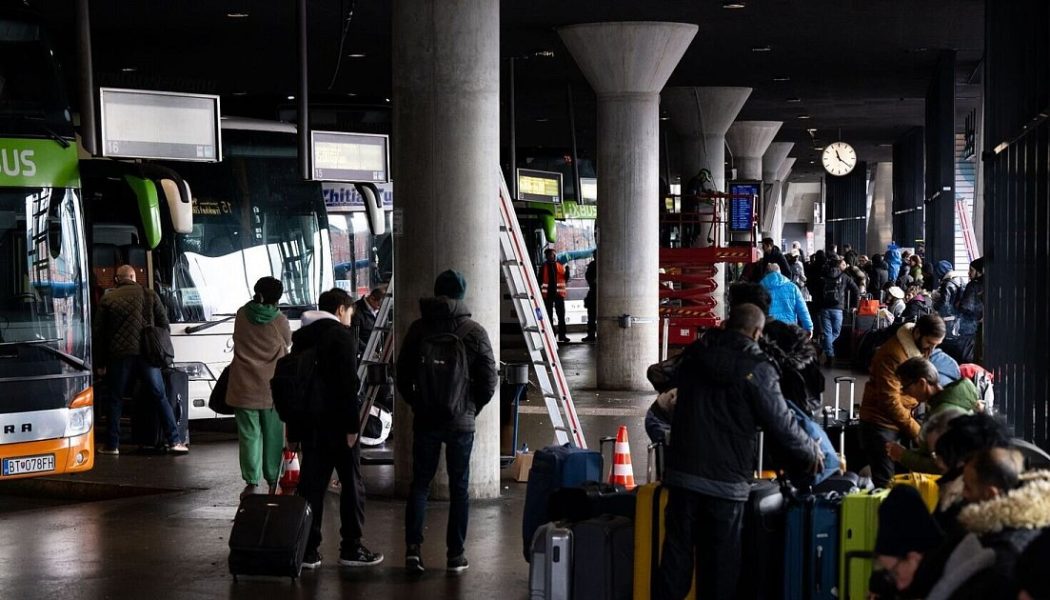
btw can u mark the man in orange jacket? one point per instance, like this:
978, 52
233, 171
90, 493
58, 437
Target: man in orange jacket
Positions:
554, 286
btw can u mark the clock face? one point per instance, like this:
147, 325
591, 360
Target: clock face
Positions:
839, 158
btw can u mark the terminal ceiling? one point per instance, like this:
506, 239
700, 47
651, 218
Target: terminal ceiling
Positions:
859, 69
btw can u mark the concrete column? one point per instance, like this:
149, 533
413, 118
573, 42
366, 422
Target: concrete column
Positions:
880, 217
776, 230
627, 64
748, 141
446, 129
772, 160
700, 116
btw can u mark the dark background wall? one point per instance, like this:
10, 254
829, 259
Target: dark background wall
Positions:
940, 160
1016, 327
847, 214
908, 186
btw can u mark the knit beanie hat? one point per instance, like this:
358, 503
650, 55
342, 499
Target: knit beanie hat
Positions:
905, 524
450, 284
942, 268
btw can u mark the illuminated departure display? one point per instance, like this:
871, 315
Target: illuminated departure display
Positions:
162, 125
539, 186
742, 205
353, 157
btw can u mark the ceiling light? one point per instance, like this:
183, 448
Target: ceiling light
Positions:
795, 99
732, 4
291, 97
765, 48
351, 94
803, 116
818, 148
386, 99
812, 130
812, 162
781, 78
885, 145
543, 54
238, 93
665, 118
542, 120
356, 55
129, 69
237, 15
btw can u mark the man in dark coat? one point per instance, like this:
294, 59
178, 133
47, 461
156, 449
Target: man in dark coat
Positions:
770, 255
444, 313
728, 390
366, 309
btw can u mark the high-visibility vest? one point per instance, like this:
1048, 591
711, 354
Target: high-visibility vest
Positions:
559, 270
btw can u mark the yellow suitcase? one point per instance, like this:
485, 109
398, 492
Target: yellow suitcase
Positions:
926, 483
649, 539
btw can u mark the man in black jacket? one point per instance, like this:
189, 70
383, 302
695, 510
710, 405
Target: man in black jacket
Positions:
445, 313
729, 390
331, 442
771, 255
836, 287
366, 309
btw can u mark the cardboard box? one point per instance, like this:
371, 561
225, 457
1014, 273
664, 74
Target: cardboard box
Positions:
521, 466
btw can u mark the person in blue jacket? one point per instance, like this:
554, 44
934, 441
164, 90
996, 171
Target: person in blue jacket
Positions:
893, 260
786, 301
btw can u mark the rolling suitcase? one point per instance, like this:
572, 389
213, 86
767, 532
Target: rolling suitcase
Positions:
550, 566
842, 424
554, 467
603, 558
146, 429
811, 548
589, 500
860, 523
763, 538
926, 483
649, 523
269, 536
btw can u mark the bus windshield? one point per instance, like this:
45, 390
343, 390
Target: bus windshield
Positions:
32, 101
43, 300
253, 216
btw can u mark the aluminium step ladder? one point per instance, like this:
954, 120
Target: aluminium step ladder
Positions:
539, 337
378, 350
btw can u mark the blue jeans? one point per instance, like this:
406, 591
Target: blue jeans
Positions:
426, 449
118, 373
831, 324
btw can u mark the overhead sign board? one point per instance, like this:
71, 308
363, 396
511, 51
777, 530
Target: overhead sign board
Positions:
351, 157
160, 125
588, 190
742, 202
539, 186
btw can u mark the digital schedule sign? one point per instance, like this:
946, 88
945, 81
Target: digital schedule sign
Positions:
351, 157
743, 197
539, 186
161, 125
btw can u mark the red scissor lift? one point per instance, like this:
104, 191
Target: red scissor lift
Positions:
688, 285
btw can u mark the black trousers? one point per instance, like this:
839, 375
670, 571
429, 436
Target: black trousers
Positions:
591, 303
703, 533
321, 455
873, 439
556, 303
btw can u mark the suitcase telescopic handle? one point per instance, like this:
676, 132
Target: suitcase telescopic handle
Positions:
601, 450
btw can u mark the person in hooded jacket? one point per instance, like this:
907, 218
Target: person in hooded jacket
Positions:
261, 335
836, 288
331, 442
970, 314
444, 313
950, 285
893, 261
878, 275
728, 390
786, 303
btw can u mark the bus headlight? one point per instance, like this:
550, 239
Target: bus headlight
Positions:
197, 371
80, 421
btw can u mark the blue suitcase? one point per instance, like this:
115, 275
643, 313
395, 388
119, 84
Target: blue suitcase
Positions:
554, 467
811, 548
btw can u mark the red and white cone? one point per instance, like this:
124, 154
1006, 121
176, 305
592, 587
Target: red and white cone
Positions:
290, 477
622, 471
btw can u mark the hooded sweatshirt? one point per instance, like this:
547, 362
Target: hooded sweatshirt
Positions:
261, 335
786, 301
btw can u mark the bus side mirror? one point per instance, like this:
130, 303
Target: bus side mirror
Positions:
180, 204
373, 207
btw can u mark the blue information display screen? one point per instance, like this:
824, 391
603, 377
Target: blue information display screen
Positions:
741, 209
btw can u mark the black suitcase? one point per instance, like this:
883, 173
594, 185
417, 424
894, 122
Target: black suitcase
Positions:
590, 499
763, 542
269, 536
603, 558
146, 429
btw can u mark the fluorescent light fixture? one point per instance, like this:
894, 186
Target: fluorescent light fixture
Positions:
237, 15
542, 120
291, 97
803, 116
356, 55
781, 78
732, 4
128, 69
765, 48
812, 129
1001, 147
794, 100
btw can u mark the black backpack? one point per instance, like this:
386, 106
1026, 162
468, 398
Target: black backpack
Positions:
832, 295
442, 380
297, 388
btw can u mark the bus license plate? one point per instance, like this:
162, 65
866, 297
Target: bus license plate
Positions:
29, 464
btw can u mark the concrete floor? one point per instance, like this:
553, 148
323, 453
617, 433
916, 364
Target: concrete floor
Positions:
173, 543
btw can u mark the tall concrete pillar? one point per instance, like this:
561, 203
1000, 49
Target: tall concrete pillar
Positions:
446, 129
776, 230
772, 160
627, 64
748, 141
700, 116
880, 216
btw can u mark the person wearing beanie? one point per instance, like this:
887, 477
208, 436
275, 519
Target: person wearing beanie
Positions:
261, 335
446, 418
969, 310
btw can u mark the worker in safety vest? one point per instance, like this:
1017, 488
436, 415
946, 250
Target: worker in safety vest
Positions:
554, 294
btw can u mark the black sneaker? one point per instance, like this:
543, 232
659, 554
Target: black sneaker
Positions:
457, 564
359, 557
312, 560
413, 559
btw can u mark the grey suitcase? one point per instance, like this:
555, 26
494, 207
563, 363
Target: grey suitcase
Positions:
550, 570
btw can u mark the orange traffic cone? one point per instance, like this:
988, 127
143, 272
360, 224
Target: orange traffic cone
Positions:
622, 471
290, 477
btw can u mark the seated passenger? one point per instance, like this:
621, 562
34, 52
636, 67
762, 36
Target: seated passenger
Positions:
966, 436
786, 301
906, 534
919, 379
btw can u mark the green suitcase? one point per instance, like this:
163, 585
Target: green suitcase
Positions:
860, 522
